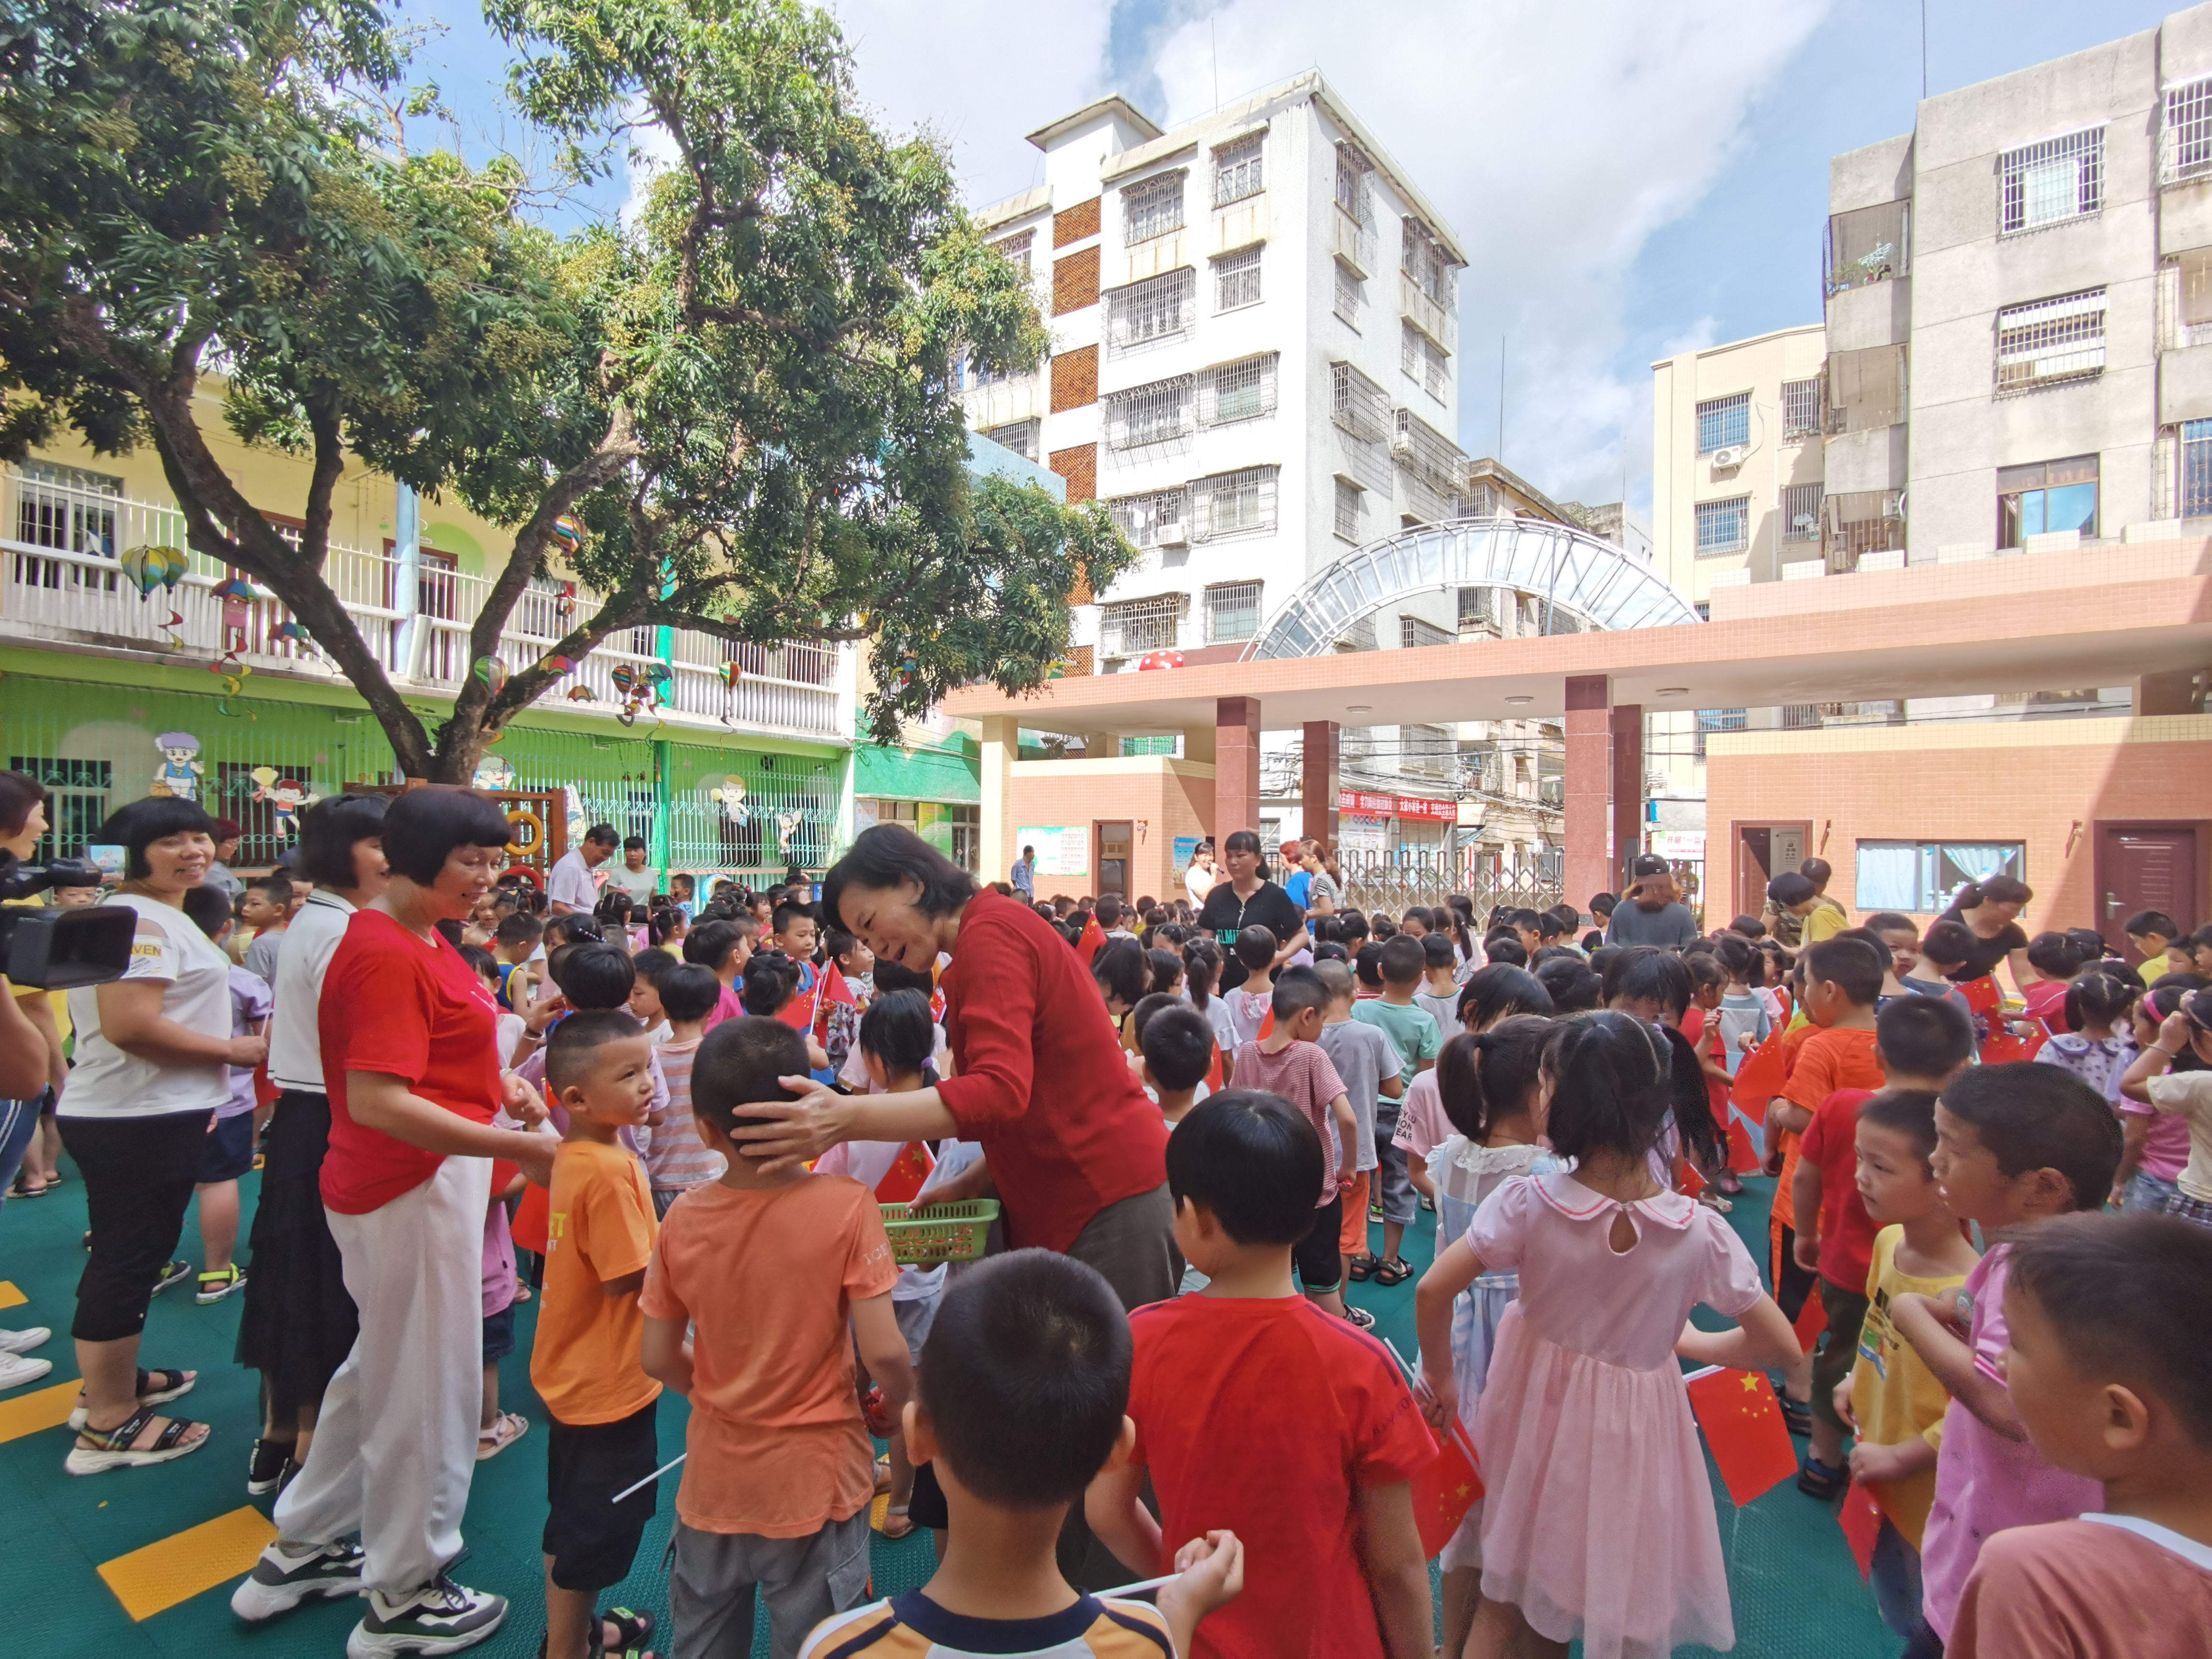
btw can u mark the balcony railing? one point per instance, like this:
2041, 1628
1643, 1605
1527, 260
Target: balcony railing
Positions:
61, 583
1004, 403
1426, 314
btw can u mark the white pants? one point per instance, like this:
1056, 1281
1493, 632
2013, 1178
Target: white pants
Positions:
395, 1445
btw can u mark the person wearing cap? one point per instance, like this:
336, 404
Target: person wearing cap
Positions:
1297, 884
1651, 911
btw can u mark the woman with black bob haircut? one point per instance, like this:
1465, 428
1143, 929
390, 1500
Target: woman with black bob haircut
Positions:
152, 1050
407, 1034
1075, 1147
299, 1323
1498, 993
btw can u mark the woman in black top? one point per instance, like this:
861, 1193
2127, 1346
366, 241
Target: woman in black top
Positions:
1987, 908
1249, 899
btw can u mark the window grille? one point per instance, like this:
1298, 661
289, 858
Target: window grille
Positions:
1021, 437
1350, 501
2195, 470
2047, 342
1477, 608
1723, 526
1801, 407
1151, 414
1237, 171
1233, 503
1232, 613
1869, 245
1801, 512
1724, 423
1359, 405
1135, 626
1349, 292
1151, 208
1718, 719
2184, 139
1242, 390
1860, 521
2186, 298
66, 507
1481, 501
1236, 280
1412, 632
1423, 361
1428, 454
1428, 748
1153, 520
1352, 171
2042, 184
1162, 308
1423, 259
1016, 250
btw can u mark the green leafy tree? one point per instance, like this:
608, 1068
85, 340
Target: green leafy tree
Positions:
744, 398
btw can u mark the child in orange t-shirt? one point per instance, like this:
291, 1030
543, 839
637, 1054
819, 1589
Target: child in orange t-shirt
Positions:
1842, 984
600, 1230
779, 1273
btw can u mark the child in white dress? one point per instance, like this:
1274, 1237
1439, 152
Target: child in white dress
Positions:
1599, 1524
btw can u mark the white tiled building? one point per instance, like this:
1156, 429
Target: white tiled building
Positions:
1255, 355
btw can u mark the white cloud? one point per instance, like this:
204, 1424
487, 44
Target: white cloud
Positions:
1556, 140
979, 74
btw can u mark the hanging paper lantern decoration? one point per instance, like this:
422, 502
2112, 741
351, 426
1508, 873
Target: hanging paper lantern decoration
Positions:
556, 664
732, 673
905, 677
152, 565
568, 532
657, 673
580, 694
235, 589
625, 679
564, 606
297, 632
1160, 659
491, 670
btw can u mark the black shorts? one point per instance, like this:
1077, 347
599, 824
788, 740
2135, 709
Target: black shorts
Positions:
591, 1539
139, 1175
1319, 1262
228, 1153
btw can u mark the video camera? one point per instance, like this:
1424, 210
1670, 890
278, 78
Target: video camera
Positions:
56, 950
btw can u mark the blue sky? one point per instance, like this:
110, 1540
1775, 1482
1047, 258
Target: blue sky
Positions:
1629, 179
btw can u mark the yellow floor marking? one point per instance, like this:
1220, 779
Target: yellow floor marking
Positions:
9, 1296
177, 1568
27, 1414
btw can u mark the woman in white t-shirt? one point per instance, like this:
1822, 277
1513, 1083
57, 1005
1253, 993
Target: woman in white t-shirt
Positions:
152, 1053
1200, 878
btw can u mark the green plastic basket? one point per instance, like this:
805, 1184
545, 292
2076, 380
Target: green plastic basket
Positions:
947, 1232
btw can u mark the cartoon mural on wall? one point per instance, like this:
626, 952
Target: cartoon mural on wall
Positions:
494, 772
732, 794
180, 773
287, 798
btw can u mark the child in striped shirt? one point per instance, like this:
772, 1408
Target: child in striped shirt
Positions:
676, 1159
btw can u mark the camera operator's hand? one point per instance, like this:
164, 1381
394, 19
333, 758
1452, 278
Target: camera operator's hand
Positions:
248, 1051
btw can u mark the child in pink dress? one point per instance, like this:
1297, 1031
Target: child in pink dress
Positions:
1599, 1524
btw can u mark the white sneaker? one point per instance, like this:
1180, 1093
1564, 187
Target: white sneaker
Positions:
15, 1371
441, 1617
23, 1341
279, 1582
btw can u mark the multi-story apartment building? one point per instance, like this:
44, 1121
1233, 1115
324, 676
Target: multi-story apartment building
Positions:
1254, 357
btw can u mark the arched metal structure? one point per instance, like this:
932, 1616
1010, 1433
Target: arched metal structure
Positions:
1591, 580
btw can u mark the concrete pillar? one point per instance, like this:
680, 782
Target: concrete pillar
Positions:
1317, 781
2177, 692
1198, 743
1236, 767
1627, 732
1001, 741
1589, 788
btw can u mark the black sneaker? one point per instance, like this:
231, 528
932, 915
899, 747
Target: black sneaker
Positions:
279, 1582
176, 1272
265, 1465
441, 1617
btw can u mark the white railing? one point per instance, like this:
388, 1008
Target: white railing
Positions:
61, 582
1004, 403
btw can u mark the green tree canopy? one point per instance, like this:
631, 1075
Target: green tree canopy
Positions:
745, 397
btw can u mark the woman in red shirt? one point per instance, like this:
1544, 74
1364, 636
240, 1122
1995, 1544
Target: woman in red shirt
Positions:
408, 1046
1077, 1151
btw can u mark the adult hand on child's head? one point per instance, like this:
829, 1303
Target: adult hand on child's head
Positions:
793, 1132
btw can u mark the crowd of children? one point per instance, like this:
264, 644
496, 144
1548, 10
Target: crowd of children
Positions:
2017, 1381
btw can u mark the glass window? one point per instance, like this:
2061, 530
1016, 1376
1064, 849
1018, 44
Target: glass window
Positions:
2197, 469
2046, 495
1234, 503
1139, 625
1241, 390
1724, 423
1154, 520
1017, 249
1723, 526
1351, 172
1232, 613
1151, 208
1236, 280
2059, 178
1921, 877
1801, 407
1348, 295
1801, 512
1158, 308
1150, 414
1349, 502
2048, 341
1237, 171
2185, 141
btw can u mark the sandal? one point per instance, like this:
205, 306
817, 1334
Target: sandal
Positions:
1796, 1415
891, 1535
155, 1387
506, 1429
1359, 1318
117, 1447
1712, 1201
1396, 1271
882, 1473
1817, 1480
1362, 1269
214, 1286
633, 1630
173, 1273
1729, 1186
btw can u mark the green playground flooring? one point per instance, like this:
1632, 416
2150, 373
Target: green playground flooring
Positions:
1798, 1595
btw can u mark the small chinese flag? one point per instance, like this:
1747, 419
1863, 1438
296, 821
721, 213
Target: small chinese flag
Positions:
532, 1226
1686, 1178
907, 1171
1981, 994
1744, 1430
798, 1013
1812, 1320
1743, 1156
1861, 1522
1445, 1490
1760, 1078
1087, 943
2005, 1047
834, 991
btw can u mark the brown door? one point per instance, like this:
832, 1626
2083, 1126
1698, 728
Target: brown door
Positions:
1114, 857
1763, 851
2148, 866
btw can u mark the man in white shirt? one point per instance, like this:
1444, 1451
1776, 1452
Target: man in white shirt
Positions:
634, 876
570, 891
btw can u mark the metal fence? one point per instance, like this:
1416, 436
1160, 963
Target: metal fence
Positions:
1392, 881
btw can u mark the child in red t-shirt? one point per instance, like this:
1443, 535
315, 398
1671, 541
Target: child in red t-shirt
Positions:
1257, 1413
1921, 1043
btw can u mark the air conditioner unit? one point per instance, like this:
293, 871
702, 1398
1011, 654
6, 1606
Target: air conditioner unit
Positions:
1725, 459
1172, 534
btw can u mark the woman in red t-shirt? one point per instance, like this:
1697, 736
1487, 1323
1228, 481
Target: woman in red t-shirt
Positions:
1078, 1153
409, 1056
